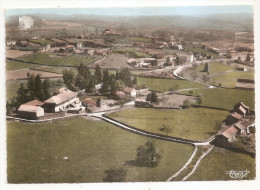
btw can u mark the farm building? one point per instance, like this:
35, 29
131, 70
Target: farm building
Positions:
31, 110
130, 91
243, 105
143, 103
64, 100
89, 104
245, 84
241, 69
233, 118
226, 137
120, 94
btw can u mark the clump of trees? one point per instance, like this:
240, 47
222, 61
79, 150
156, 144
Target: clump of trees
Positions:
147, 155
110, 83
152, 97
35, 88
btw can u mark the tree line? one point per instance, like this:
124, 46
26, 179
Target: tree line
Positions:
35, 88
110, 83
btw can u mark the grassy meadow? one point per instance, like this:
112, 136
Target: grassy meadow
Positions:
215, 165
35, 152
163, 85
52, 59
224, 98
192, 123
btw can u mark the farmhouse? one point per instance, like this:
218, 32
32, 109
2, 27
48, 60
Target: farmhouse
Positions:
31, 110
64, 100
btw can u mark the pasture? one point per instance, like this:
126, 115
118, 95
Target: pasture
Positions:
35, 152
192, 123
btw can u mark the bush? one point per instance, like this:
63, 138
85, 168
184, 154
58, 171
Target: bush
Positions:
115, 175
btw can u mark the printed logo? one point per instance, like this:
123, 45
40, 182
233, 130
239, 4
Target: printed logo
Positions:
237, 174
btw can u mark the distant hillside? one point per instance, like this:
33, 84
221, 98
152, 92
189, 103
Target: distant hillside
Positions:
232, 21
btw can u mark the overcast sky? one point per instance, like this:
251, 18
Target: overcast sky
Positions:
140, 11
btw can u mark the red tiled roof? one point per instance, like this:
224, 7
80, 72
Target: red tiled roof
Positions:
34, 103
229, 132
245, 123
29, 108
89, 101
128, 89
64, 95
236, 115
239, 126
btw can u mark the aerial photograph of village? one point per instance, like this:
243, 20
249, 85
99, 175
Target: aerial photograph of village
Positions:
148, 94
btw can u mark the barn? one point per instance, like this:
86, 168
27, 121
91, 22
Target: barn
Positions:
30, 111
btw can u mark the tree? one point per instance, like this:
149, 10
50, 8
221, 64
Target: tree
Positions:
90, 86
115, 174
38, 88
135, 80
105, 83
31, 87
152, 97
206, 68
45, 89
166, 129
22, 95
199, 100
147, 155
98, 74
69, 78
125, 75
186, 103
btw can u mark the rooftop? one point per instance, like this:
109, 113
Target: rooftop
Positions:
64, 95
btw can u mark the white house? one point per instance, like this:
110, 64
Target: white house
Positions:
64, 100
130, 91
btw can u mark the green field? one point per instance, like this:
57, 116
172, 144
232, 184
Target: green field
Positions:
163, 85
214, 68
215, 165
131, 52
11, 89
229, 79
42, 41
192, 123
199, 50
14, 65
225, 98
52, 59
136, 39
35, 152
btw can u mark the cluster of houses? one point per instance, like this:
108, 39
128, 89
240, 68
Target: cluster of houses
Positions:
238, 122
64, 100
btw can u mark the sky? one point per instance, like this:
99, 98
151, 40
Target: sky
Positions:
140, 11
